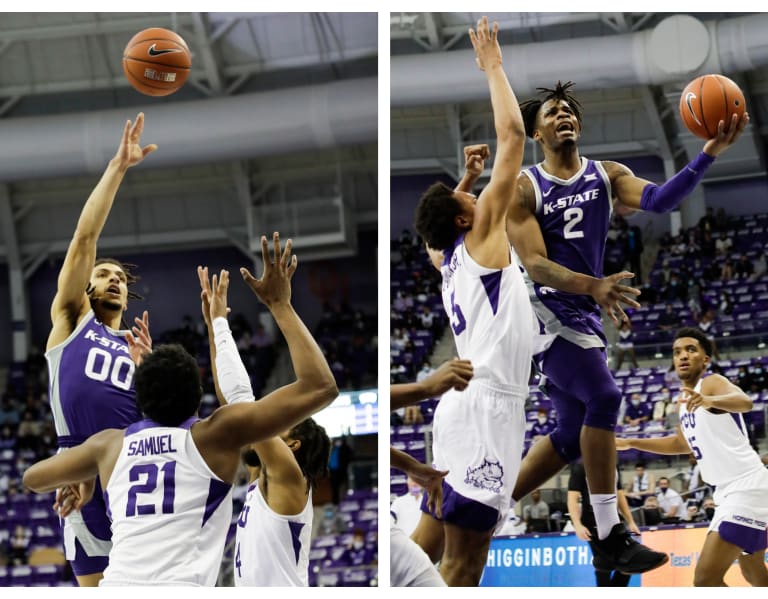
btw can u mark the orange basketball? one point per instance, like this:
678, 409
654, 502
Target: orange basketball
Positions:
156, 61
707, 100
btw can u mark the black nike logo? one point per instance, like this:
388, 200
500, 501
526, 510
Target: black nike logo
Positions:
153, 52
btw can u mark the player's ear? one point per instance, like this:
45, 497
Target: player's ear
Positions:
294, 445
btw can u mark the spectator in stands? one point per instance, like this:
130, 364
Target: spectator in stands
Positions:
406, 509
727, 272
695, 486
543, 425
721, 220
668, 319
744, 268
9, 413
707, 222
652, 514
358, 552
692, 512
642, 485
707, 246
338, 464
7, 437
28, 432
18, 546
665, 273
694, 298
723, 244
637, 412
759, 381
648, 294
708, 507
670, 502
332, 521
625, 346
633, 249
675, 290
707, 324
536, 514
761, 267
744, 378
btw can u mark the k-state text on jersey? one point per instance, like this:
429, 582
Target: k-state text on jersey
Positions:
571, 200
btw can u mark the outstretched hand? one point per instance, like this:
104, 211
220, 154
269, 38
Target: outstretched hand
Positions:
609, 293
727, 134
274, 286
139, 340
486, 44
432, 481
130, 152
453, 374
217, 295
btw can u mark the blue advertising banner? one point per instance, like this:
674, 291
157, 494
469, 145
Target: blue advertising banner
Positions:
546, 560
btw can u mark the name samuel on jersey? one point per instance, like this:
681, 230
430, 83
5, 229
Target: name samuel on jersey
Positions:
151, 446
571, 200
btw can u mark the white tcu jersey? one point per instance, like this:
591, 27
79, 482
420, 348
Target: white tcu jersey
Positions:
271, 550
491, 317
170, 513
719, 443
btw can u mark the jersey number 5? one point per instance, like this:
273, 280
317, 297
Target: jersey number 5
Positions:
458, 322
572, 217
133, 508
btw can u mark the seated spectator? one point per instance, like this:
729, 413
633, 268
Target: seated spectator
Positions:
668, 319
9, 413
536, 513
543, 425
641, 486
670, 502
761, 267
637, 412
18, 546
723, 244
652, 514
726, 272
707, 222
675, 290
707, 325
625, 346
28, 432
707, 246
721, 220
692, 512
7, 437
358, 552
744, 268
708, 508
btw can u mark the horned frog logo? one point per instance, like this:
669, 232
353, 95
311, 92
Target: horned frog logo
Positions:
486, 476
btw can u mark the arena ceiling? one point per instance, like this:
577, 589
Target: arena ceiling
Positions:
629, 70
274, 130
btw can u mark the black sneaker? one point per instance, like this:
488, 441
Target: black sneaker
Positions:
619, 551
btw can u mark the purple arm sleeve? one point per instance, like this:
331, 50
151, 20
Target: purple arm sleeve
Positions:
666, 197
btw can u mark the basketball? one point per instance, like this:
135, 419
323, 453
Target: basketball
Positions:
707, 100
156, 61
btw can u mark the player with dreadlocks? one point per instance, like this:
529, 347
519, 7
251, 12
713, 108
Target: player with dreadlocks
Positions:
273, 531
91, 361
558, 226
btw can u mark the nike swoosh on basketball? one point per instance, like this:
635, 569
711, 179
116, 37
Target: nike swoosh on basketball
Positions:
154, 52
689, 98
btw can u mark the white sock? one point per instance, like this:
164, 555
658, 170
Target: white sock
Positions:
605, 507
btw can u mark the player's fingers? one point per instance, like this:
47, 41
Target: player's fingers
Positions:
620, 276
148, 149
247, 276
276, 246
629, 301
265, 252
126, 131
495, 32
292, 266
285, 258
628, 289
223, 282
473, 38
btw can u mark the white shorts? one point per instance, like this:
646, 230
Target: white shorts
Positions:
741, 513
478, 436
409, 566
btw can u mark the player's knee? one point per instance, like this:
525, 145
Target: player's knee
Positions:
603, 410
566, 443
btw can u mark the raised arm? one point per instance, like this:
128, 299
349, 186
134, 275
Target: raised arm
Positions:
635, 192
205, 294
492, 205
71, 299
234, 426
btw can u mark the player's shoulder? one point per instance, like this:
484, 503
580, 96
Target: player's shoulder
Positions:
615, 169
526, 195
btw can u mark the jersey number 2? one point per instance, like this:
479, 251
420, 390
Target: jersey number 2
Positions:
133, 508
572, 217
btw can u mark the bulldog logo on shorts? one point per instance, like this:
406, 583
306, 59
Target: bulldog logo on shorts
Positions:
486, 476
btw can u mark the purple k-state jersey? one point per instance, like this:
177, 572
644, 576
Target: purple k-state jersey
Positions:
573, 215
91, 382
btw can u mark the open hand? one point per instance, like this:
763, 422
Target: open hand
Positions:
139, 339
486, 44
727, 134
274, 286
609, 293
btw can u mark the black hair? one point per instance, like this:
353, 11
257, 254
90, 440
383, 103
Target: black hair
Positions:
697, 334
315, 450
530, 108
312, 455
435, 215
167, 383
